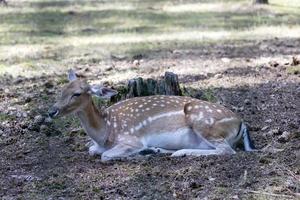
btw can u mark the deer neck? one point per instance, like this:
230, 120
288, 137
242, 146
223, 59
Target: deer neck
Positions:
93, 123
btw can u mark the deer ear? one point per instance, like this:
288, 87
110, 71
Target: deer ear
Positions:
71, 75
102, 92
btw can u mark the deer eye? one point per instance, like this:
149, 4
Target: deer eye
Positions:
76, 95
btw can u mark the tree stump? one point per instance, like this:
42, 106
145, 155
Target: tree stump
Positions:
138, 87
169, 85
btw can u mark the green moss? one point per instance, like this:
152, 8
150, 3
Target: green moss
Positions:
293, 69
203, 94
6, 117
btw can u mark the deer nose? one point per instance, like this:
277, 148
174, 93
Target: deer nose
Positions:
53, 112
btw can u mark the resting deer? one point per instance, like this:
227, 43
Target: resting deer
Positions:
166, 124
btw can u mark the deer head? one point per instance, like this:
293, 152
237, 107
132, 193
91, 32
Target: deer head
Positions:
76, 95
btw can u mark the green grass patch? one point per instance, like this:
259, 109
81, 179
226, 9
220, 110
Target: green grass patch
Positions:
293, 70
6, 117
37, 34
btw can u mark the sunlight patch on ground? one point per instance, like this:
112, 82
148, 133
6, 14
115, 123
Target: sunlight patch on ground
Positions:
207, 7
20, 51
25, 8
256, 33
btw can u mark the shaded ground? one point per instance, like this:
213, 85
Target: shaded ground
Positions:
253, 77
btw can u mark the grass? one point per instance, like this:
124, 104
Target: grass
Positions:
6, 117
294, 69
51, 35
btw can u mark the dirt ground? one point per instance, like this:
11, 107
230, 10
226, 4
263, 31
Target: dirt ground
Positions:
49, 160
229, 52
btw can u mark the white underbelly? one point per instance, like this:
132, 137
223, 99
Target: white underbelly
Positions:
182, 138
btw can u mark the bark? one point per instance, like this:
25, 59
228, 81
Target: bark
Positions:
169, 85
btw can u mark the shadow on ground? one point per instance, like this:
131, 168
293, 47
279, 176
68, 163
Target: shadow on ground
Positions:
38, 164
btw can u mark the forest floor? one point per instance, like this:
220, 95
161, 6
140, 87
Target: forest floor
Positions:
243, 56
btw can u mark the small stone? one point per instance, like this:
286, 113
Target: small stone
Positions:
136, 62
27, 99
43, 128
273, 63
48, 120
268, 120
265, 128
225, 60
19, 114
18, 80
39, 119
49, 84
109, 68
285, 137
275, 131
218, 76
247, 102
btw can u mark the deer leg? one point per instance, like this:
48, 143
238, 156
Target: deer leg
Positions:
220, 149
96, 149
118, 152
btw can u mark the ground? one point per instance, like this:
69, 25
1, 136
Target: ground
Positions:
243, 56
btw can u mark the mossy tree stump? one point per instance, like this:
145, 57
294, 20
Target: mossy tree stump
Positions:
169, 85
138, 87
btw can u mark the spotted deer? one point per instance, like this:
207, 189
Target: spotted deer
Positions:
154, 124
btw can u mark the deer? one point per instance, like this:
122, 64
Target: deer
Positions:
176, 125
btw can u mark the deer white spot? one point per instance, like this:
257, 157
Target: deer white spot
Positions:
200, 116
209, 121
154, 104
162, 105
132, 130
138, 127
108, 123
219, 111
189, 108
196, 106
168, 114
149, 119
136, 110
206, 107
144, 122
115, 125
193, 117
210, 110
226, 119
147, 108
140, 106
